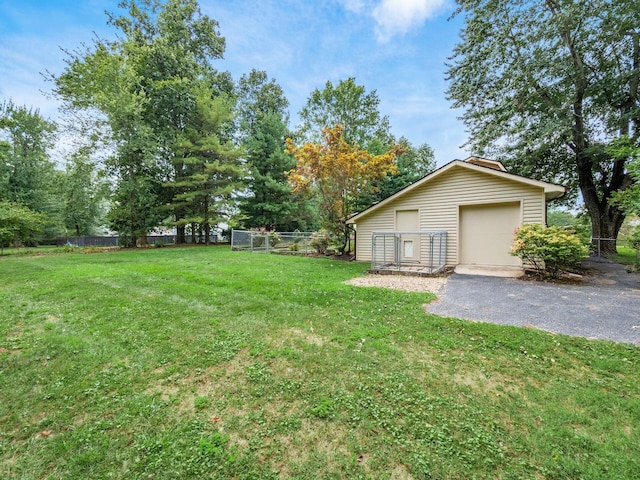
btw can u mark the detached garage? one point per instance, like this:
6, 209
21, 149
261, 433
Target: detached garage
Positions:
463, 214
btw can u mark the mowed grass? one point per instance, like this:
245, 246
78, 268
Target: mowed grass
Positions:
207, 363
626, 255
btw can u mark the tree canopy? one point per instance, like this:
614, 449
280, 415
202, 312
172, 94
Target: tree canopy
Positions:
547, 86
82, 194
19, 224
146, 84
156, 136
341, 174
27, 173
346, 104
258, 96
629, 199
263, 117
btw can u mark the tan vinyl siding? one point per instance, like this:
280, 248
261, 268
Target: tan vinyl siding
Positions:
438, 202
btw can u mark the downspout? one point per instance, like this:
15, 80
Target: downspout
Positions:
355, 243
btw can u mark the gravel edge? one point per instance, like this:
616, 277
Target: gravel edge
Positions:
406, 283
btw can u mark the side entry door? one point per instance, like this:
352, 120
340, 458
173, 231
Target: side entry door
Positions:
409, 247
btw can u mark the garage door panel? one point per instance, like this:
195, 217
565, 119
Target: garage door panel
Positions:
486, 233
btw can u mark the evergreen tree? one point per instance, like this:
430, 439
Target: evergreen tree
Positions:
412, 164
212, 171
269, 203
263, 127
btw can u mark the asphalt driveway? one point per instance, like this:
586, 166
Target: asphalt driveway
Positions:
606, 305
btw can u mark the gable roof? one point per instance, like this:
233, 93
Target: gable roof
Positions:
476, 164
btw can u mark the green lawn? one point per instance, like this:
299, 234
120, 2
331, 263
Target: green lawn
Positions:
626, 255
31, 250
206, 363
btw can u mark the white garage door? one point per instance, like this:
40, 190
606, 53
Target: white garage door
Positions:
486, 232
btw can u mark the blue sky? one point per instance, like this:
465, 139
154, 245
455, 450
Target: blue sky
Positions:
396, 47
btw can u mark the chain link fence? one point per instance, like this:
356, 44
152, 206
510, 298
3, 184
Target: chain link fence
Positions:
599, 244
272, 242
115, 241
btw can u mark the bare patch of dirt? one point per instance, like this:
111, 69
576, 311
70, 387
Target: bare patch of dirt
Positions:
309, 337
564, 278
9, 352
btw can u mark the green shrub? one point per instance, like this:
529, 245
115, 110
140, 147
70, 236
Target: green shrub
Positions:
126, 241
274, 239
549, 249
320, 241
260, 239
634, 238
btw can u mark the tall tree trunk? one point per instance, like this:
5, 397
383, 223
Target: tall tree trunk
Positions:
142, 240
206, 220
181, 237
606, 220
606, 223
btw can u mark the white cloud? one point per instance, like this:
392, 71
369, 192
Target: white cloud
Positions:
355, 6
396, 17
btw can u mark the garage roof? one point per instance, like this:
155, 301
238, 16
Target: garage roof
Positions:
483, 165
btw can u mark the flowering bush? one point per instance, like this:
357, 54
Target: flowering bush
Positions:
550, 249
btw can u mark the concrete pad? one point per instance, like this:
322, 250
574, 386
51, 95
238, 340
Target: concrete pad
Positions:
490, 271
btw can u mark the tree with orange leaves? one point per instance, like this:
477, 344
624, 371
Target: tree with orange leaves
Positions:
340, 173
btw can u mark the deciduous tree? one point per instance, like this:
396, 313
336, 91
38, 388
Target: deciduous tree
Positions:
341, 174
19, 224
82, 194
145, 85
548, 85
346, 104
257, 97
27, 173
629, 199
172, 46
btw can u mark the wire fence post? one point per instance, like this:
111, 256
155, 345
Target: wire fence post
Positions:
598, 242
